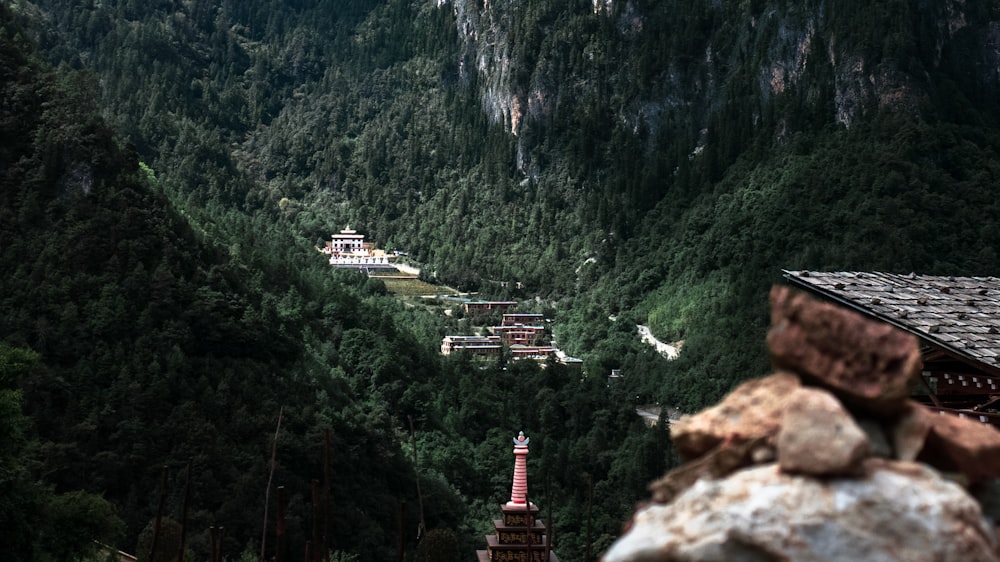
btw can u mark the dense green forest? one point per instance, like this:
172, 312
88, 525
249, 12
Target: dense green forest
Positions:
162, 335
168, 166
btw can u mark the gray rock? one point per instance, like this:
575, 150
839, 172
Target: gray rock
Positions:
877, 438
910, 432
899, 511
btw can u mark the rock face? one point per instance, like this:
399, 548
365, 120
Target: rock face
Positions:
900, 511
817, 461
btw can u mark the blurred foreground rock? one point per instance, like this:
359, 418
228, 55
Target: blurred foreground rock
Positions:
867, 364
826, 460
898, 511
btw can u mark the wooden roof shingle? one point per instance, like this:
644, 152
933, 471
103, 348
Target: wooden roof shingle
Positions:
960, 315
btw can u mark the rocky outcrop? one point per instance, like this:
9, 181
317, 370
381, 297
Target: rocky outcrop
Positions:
796, 50
827, 459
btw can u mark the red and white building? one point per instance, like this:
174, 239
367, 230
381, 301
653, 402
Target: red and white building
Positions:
519, 334
349, 250
522, 334
486, 346
487, 307
522, 318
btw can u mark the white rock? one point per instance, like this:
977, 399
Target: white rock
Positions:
900, 511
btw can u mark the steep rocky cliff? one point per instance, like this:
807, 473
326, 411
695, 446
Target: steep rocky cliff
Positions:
867, 58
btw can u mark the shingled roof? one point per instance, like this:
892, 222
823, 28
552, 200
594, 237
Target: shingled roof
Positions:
959, 315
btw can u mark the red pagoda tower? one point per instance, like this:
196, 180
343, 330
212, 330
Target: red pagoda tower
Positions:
520, 536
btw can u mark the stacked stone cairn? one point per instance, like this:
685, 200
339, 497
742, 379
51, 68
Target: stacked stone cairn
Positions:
827, 459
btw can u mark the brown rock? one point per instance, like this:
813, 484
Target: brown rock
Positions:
818, 437
752, 410
867, 364
961, 445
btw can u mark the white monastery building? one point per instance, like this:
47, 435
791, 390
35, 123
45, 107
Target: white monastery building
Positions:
349, 250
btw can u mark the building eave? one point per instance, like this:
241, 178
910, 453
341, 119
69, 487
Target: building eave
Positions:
798, 279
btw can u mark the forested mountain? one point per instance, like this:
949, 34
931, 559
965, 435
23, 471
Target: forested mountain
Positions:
157, 348
144, 334
653, 162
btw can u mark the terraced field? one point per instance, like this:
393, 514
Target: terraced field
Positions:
413, 287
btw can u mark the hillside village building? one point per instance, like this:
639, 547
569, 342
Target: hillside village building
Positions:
955, 319
536, 352
520, 329
523, 341
487, 307
522, 318
518, 335
483, 346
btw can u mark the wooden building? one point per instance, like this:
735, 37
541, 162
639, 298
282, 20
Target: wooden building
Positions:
522, 318
536, 352
519, 334
956, 320
485, 346
488, 307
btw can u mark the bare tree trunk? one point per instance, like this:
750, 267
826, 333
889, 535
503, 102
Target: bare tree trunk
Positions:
280, 529
184, 514
590, 509
217, 534
267, 492
551, 530
421, 527
402, 530
315, 530
159, 516
325, 541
